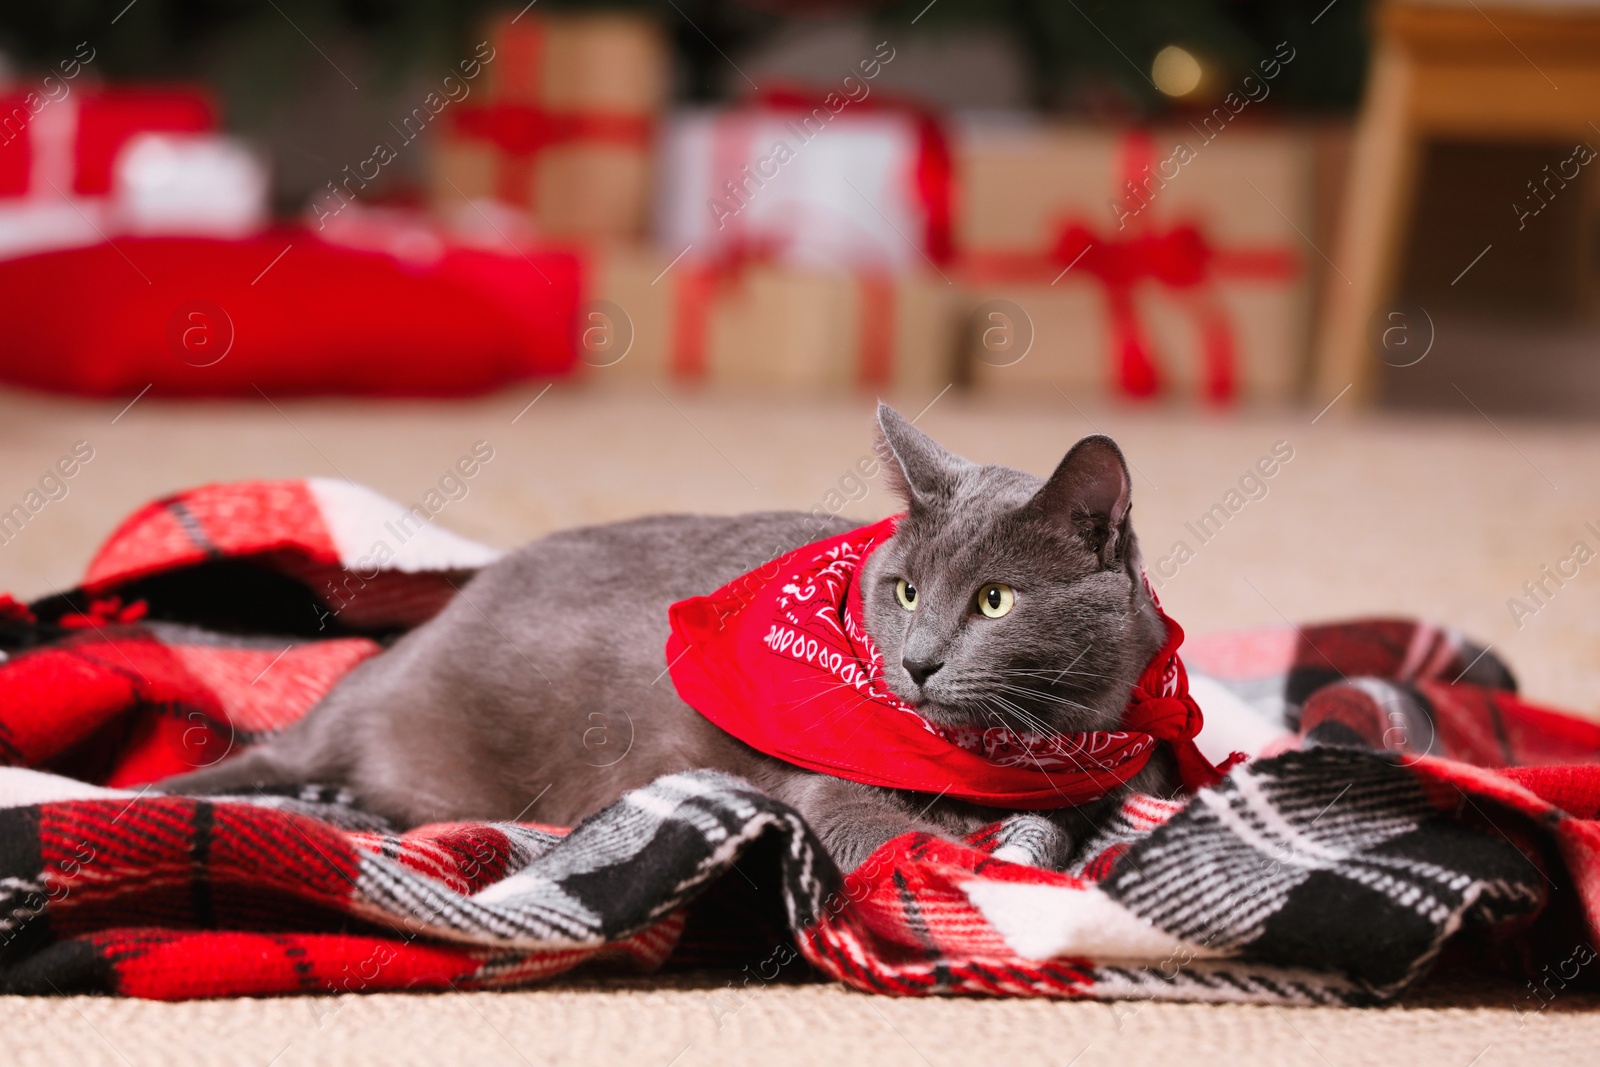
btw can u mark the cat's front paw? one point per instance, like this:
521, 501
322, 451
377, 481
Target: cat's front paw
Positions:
1033, 840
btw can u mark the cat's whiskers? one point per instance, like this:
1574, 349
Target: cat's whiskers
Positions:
830, 685
1049, 698
1041, 694
1027, 717
1009, 712
1052, 673
1065, 752
1075, 659
981, 695
997, 718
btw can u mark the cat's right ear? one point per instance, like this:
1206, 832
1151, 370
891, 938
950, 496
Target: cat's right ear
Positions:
922, 473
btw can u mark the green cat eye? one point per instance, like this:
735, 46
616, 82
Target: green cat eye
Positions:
995, 599
906, 593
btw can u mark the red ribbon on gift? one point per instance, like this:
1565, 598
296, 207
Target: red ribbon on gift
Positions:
1179, 257
700, 283
520, 130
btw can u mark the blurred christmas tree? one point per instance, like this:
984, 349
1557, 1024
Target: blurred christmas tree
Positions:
1085, 51
314, 82
1081, 53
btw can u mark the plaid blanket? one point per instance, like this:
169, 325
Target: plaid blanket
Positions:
1404, 805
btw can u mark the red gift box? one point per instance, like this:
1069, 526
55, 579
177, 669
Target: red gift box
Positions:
383, 308
88, 127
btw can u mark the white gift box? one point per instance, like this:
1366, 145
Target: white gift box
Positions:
203, 184
813, 188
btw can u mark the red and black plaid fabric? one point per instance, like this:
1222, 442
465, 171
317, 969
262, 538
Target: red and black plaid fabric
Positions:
1384, 820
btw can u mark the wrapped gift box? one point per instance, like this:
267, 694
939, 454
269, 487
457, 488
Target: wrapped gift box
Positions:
420, 312
190, 183
827, 181
71, 144
64, 162
566, 126
102, 160
757, 322
1138, 262
569, 62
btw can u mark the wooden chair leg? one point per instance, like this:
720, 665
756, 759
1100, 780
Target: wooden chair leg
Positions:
1377, 206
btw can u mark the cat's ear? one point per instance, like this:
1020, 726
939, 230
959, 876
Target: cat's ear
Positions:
1091, 492
922, 473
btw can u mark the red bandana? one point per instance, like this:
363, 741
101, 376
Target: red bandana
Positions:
779, 659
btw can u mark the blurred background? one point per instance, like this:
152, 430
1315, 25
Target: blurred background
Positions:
272, 238
1192, 153
443, 158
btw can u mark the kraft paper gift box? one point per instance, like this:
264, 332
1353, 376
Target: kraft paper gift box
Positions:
565, 127
1136, 262
753, 322
818, 179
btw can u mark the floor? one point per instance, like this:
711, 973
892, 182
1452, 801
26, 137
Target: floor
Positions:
1443, 515
699, 1021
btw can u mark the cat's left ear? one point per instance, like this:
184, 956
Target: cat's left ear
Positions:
1091, 492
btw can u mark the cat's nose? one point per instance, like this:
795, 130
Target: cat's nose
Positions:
921, 669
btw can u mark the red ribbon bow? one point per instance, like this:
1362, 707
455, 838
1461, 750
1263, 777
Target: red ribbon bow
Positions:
521, 130
1179, 257
527, 129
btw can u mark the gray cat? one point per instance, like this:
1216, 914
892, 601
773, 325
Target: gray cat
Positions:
518, 698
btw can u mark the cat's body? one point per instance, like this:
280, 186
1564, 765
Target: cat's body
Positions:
541, 691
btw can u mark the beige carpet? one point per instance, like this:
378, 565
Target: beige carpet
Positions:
1442, 518
699, 1022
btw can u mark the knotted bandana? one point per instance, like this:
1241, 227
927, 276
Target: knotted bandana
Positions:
779, 658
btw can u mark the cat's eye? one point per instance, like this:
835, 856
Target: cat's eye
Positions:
995, 599
906, 593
